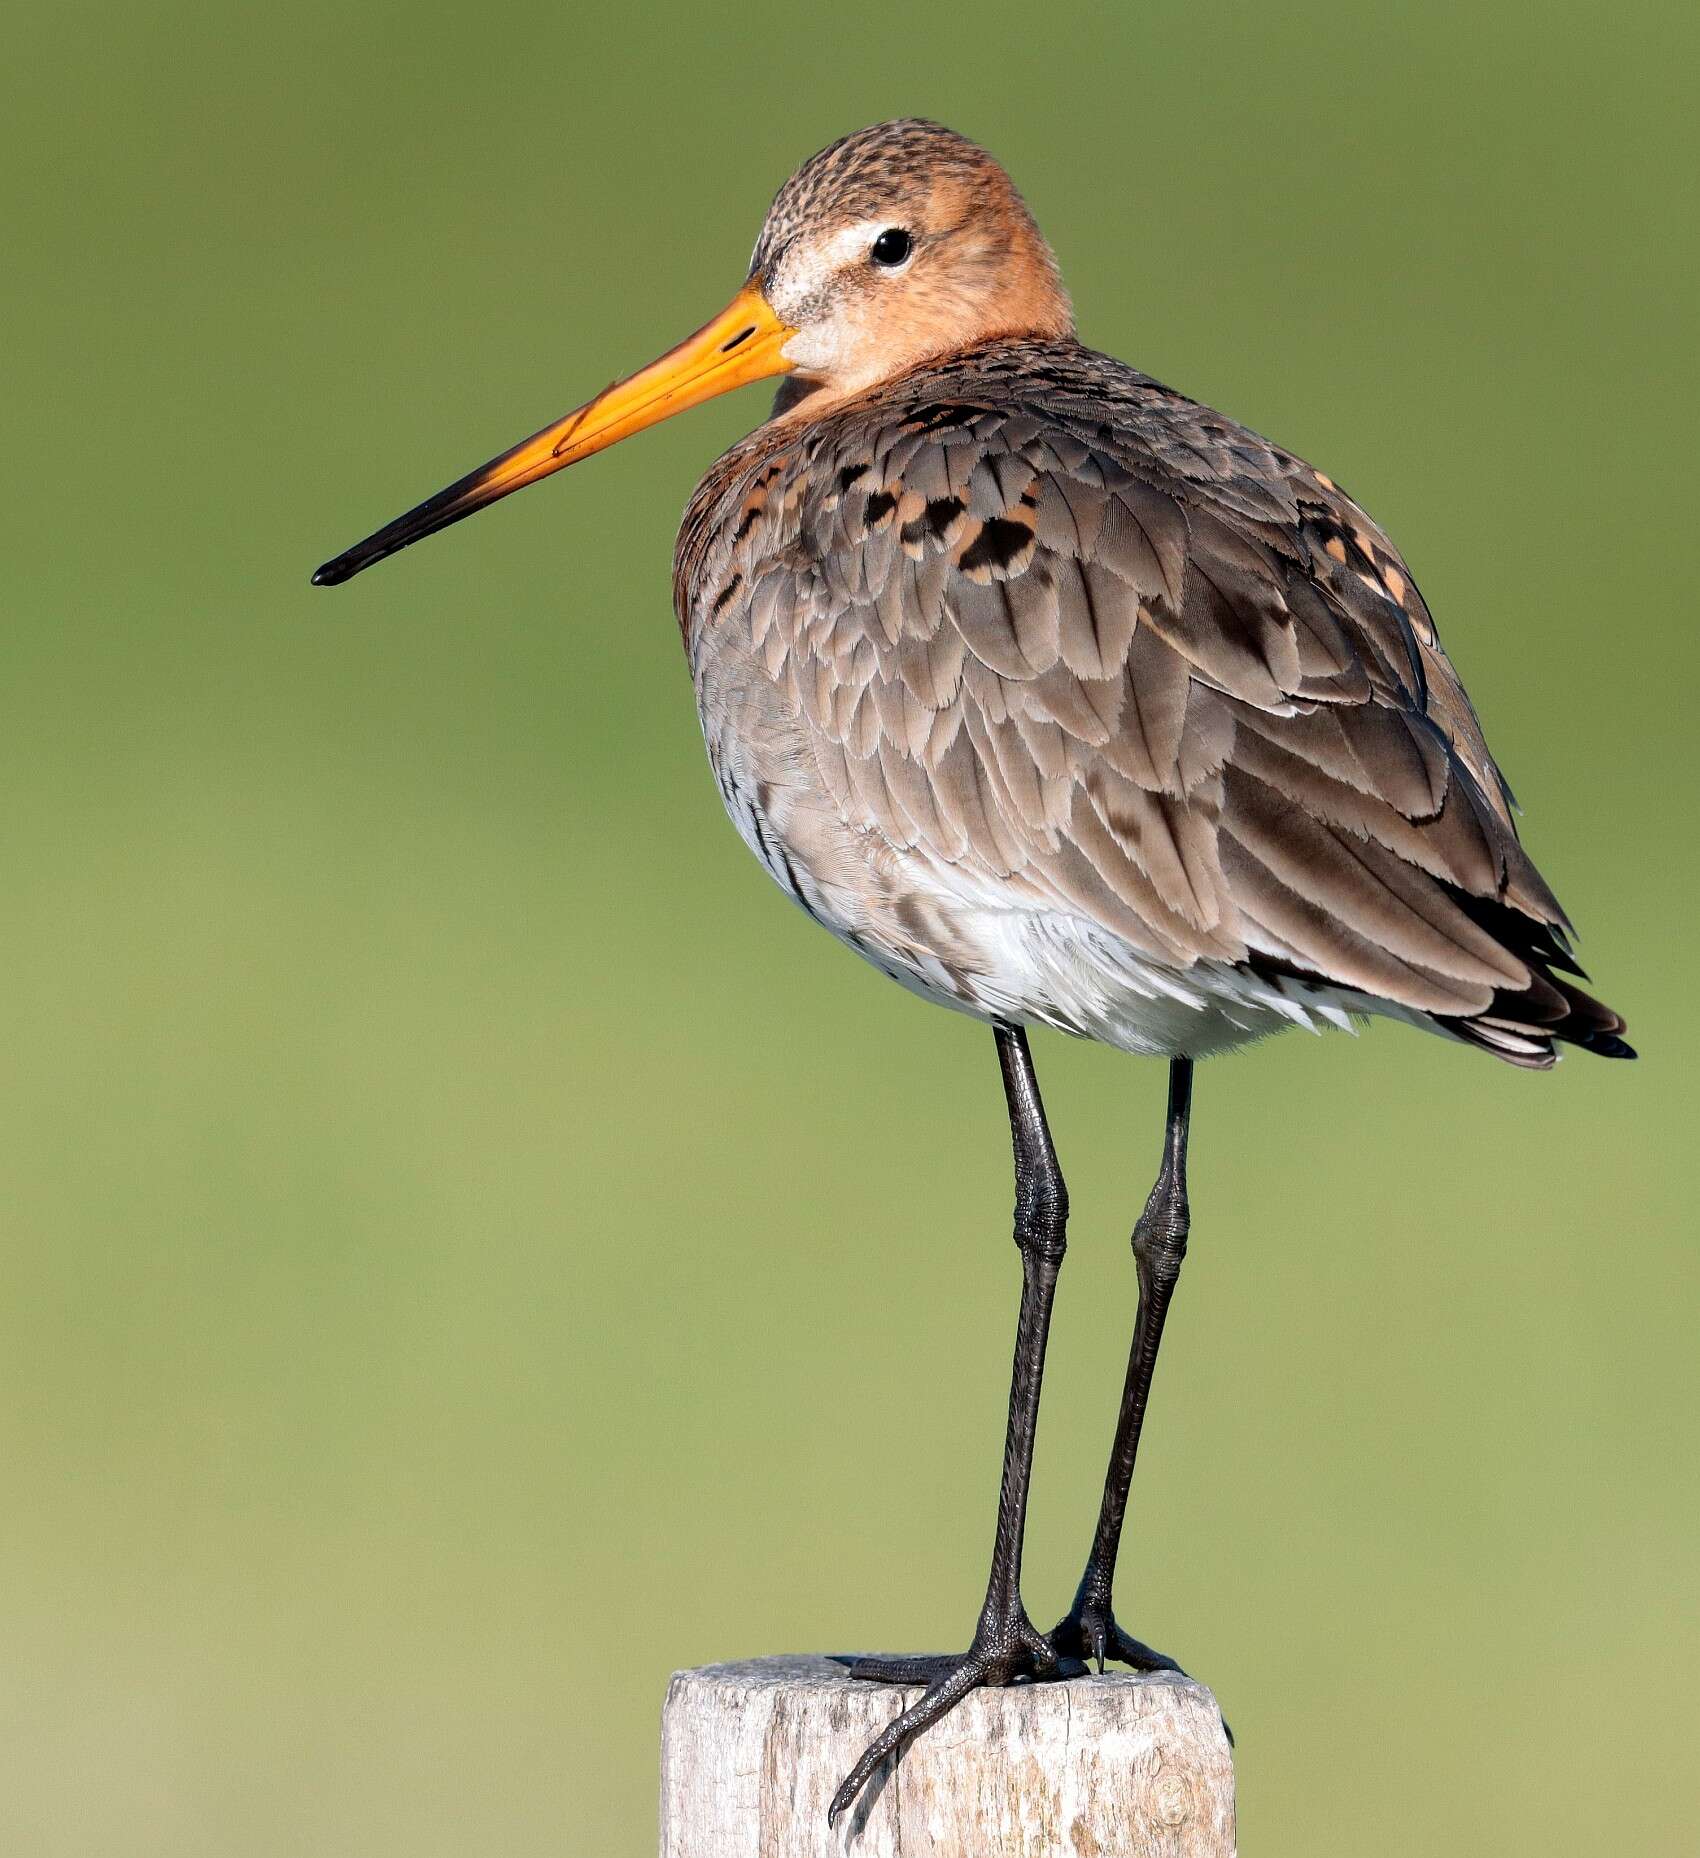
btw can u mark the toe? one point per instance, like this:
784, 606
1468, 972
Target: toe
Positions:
1017, 1650
1135, 1652
941, 1697
1040, 1653
925, 1668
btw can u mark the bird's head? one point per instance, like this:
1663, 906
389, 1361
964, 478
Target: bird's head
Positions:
899, 244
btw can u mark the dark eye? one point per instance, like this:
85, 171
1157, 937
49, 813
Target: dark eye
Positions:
892, 246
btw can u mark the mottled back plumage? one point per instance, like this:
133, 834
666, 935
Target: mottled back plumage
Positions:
1046, 632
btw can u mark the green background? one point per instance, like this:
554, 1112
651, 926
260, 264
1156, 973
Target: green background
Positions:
470, 1246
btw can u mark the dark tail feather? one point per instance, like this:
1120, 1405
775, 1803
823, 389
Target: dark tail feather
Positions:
1521, 1027
1591, 1024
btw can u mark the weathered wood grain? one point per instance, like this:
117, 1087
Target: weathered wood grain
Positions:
1098, 1767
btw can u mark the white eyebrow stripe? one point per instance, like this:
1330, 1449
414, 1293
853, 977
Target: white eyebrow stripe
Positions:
850, 242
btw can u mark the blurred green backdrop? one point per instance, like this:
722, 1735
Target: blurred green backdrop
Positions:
468, 1240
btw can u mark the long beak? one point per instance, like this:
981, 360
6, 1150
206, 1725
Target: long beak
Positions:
743, 343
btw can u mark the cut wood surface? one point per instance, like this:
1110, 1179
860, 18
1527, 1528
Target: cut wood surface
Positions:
1097, 1767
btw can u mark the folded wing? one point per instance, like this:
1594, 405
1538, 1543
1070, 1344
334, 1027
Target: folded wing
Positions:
1104, 648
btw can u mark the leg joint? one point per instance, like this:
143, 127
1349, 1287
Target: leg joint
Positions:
1160, 1234
1041, 1211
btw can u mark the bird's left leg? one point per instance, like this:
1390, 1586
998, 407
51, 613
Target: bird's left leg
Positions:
1006, 1645
1089, 1629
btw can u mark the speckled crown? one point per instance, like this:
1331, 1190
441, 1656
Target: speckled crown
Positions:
870, 172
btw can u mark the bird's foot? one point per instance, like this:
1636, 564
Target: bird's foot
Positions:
1088, 1631
1004, 1651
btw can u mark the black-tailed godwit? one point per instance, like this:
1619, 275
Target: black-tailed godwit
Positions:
1065, 701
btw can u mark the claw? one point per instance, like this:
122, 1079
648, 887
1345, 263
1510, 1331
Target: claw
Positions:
1090, 1631
1094, 1634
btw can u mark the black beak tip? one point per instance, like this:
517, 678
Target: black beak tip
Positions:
330, 575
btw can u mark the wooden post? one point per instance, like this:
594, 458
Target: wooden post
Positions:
1097, 1767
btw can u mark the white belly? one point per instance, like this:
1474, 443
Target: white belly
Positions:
966, 947
973, 943
1055, 968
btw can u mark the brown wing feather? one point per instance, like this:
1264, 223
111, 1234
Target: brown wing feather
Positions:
1053, 624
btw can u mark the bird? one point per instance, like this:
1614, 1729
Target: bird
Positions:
1066, 701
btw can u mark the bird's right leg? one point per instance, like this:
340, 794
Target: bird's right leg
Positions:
1006, 1645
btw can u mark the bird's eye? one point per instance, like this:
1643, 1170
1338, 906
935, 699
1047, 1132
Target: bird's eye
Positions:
892, 246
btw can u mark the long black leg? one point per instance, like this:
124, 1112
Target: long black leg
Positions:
1006, 1643
1159, 1244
